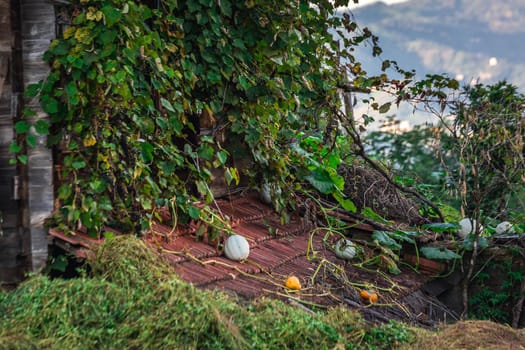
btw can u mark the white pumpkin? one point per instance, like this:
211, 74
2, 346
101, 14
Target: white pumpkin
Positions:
345, 249
236, 248
467, 227
265, 193
504, 227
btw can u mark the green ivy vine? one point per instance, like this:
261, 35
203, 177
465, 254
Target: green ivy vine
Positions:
131, 85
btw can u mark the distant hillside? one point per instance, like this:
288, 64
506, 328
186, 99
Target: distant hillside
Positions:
469, 39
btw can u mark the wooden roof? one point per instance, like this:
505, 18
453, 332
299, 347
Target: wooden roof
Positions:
276, 252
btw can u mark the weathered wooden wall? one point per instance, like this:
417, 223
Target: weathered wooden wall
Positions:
6, 127
38, 29
11, 238
26, 29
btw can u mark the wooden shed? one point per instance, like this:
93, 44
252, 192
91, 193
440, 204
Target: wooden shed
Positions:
26, 190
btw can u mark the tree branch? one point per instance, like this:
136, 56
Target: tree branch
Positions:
518, 308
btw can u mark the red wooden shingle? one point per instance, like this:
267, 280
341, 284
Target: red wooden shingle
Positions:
276, 252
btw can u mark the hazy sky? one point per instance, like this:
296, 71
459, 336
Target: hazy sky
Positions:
368, 2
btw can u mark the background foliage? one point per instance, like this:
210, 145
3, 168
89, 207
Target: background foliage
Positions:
472, 158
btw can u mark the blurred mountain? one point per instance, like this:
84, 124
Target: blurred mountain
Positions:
481, 40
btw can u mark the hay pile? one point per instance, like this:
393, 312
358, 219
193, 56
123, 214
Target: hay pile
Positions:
133, 300
471, 335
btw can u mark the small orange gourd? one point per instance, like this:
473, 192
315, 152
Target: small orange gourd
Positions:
293, 283
364, 294
369, 296
373, 298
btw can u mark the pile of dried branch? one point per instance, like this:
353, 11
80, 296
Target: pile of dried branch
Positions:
367, 187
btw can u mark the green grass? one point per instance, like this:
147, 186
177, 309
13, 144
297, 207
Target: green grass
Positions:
132, 300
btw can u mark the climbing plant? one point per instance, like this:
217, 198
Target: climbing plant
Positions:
133, 83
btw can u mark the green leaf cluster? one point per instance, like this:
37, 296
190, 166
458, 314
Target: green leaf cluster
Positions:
317, 164
144, 103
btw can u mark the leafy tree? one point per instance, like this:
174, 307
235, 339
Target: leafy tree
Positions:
487, 162
489, 132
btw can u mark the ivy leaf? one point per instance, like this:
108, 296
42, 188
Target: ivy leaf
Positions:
441, 227
98, 185
321, 180
71, 89
232, 174
22, 127
31, 140
346, 203
72, 145
147, 152
202, 188
405, 236
167, 167
167, 104
213, 76
176, 125
111, 15
222, 156
439, 253
216, 106
146, 204
468, 243
62, 48
22, 158
205, 152
28, 112
50, 106
244, 83
32, 89
78, 164
194, 213
239, 44
277, 60
383, 238
64, 191
226, 7
59, 263
108, 36
42, 127
14, 147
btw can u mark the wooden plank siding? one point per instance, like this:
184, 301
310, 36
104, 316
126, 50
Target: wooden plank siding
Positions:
12, 265
38, 29
26, 29
7, 171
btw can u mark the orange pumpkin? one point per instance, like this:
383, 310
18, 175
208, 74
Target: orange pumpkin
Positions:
293, 283
373, 298
369, 296
364, 294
